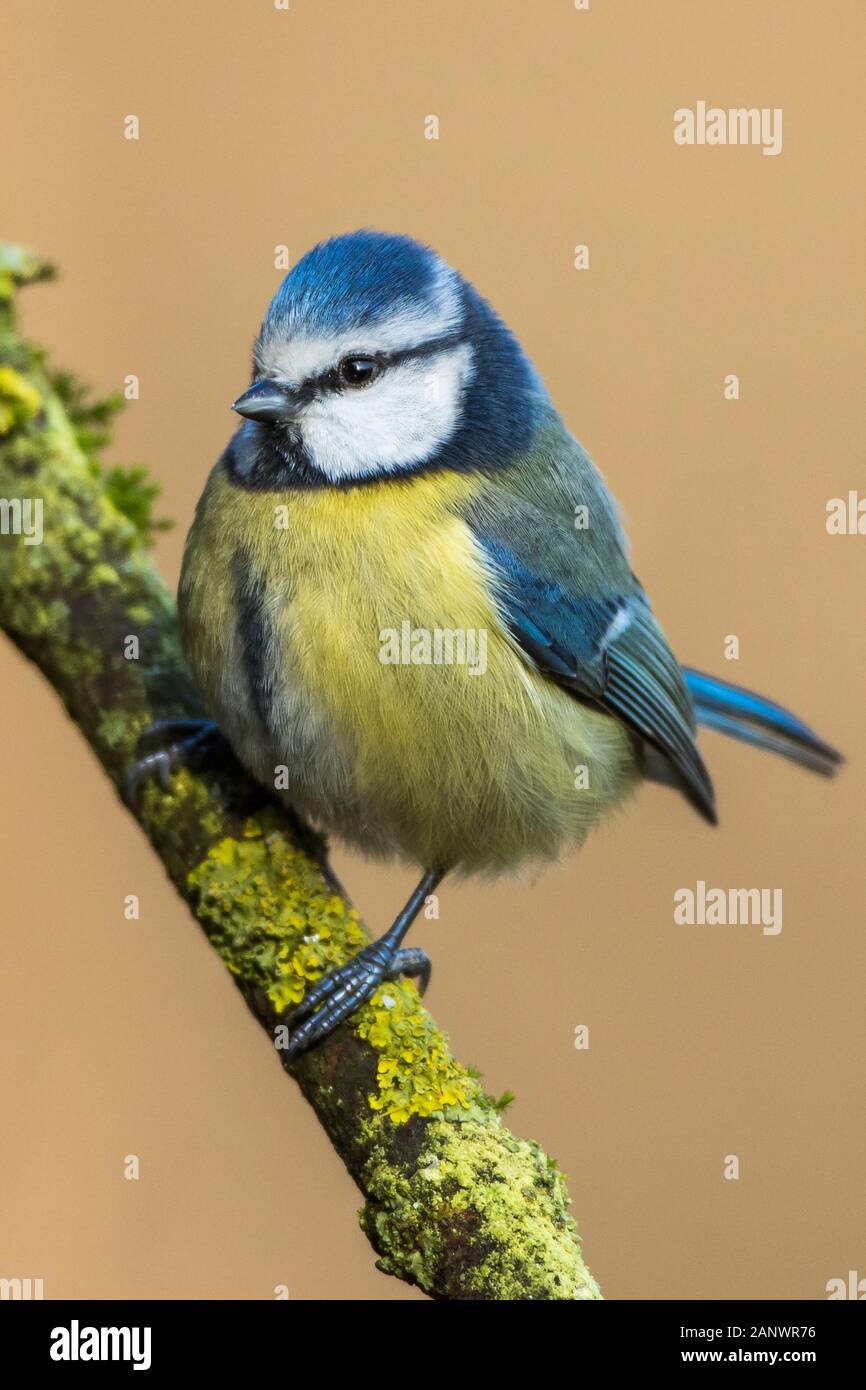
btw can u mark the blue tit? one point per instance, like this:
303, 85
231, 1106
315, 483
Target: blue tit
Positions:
407, 585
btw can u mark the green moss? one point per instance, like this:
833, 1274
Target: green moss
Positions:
183, 823
75, 430
90, 419
101, 574
118, 729
19, 400
18, 266
134, 493
139, 614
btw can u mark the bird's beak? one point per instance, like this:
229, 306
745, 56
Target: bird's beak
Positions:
267, 401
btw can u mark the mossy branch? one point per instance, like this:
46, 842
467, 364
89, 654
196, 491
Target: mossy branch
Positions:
452, 1201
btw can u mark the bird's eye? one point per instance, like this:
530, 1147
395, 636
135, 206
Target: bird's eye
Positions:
358, 371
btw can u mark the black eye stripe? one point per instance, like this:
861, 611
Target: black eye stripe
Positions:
428, 349
329, 380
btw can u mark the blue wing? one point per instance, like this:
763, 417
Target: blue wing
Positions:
572, 602
608, 650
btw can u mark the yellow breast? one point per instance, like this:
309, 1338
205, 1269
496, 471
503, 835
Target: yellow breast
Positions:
382, 632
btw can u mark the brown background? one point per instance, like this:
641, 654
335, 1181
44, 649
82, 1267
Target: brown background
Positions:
260, 127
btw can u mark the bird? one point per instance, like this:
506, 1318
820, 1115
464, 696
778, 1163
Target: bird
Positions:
408, 586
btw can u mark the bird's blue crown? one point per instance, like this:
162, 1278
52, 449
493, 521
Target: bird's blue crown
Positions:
360, 278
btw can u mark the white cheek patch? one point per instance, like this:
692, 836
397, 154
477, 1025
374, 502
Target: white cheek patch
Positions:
398, 422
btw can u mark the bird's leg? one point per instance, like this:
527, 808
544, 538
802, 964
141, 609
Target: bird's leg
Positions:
185, 743
342, 991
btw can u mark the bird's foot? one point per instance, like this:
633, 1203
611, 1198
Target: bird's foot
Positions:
345, 989
185, 743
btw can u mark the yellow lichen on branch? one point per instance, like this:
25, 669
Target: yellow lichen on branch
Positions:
254, 897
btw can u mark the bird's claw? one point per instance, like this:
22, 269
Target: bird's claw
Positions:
343, 990
189, 740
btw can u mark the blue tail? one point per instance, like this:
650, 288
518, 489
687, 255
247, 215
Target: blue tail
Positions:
744, 715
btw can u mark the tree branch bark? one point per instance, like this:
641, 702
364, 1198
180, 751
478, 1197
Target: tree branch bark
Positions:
452, 1201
